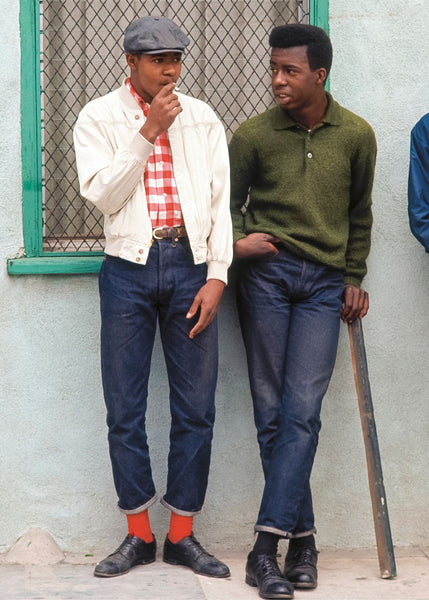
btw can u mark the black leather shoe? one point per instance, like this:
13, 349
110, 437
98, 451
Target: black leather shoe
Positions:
133, 551
300, 567
189, 553
262, 571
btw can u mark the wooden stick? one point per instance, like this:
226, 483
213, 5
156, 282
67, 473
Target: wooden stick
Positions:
386, 558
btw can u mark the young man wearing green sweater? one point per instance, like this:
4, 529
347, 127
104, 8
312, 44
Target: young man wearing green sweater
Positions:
301, 175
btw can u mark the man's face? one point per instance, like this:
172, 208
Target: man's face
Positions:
294, 84
150, 72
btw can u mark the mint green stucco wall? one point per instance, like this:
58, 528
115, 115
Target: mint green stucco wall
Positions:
55, 471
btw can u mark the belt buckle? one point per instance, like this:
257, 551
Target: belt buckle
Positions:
157, 237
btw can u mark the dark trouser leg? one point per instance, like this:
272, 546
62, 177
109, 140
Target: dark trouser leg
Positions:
290, 315
192, 374
128, 327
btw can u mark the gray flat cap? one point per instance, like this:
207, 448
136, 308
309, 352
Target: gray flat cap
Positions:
150, 35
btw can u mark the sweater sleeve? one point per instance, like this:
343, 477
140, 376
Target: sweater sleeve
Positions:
360, 212
241, 156
418, 182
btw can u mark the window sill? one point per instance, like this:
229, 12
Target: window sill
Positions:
54, 265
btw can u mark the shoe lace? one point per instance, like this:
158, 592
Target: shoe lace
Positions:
305, 556
269, 565
202, 551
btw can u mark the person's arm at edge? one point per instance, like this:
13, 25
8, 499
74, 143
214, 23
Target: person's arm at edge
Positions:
418, 182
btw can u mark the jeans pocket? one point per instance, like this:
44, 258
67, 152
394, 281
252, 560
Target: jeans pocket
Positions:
185, 245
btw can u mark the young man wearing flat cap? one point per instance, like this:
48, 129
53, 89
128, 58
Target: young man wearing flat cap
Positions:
301, 175
155, 162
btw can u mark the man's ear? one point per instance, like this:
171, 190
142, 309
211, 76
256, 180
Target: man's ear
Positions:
131, 60
322, 75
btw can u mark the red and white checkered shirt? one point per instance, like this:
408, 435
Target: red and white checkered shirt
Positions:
161, 192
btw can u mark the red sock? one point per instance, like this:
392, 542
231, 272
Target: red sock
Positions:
139, 526
180, 527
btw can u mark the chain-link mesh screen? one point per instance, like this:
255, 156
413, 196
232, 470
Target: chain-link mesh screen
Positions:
82, 58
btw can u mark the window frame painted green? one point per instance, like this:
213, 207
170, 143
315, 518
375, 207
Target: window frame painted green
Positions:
34, 260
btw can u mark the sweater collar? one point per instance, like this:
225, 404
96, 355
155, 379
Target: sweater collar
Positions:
282, 119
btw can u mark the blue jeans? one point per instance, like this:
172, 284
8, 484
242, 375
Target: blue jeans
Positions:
290, 316
133, 299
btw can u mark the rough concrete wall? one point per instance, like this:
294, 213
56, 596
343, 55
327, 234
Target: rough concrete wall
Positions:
55, 471
381, 71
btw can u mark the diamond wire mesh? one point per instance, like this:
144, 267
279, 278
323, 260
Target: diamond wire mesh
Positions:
82, 58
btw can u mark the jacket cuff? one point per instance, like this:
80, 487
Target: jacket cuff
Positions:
217, 270
141, 147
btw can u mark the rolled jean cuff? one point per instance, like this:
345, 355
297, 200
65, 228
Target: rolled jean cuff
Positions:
302, 534
135, 511
288, 535
183, 513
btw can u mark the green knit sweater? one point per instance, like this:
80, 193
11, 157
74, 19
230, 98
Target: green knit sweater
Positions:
311, 189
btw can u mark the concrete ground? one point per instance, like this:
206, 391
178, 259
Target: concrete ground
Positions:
343, 575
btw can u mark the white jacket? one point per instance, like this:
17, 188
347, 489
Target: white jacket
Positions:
111, 156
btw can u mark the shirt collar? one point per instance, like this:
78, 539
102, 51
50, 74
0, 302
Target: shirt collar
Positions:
282, 119
143, 105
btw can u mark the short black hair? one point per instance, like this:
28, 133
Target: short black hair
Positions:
319, 47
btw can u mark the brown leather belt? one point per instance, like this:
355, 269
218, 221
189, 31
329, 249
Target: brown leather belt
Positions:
169, 233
